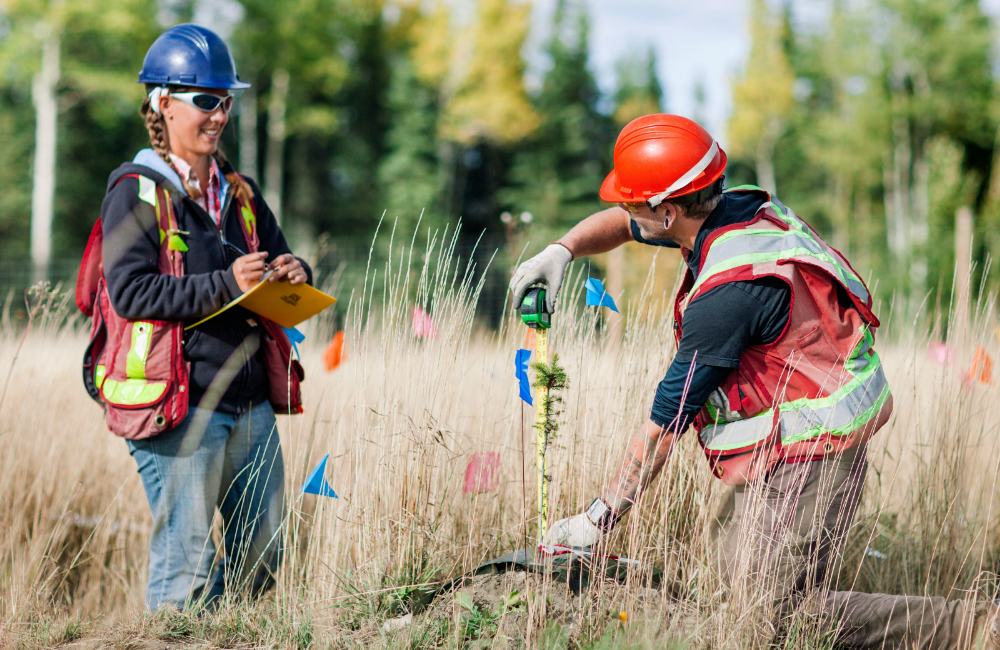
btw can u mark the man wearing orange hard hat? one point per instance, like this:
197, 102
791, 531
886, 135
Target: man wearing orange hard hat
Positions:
776, 371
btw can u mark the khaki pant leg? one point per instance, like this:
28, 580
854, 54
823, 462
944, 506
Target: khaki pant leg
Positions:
799, 512
784, 529
724, 516
785, 533
884, 621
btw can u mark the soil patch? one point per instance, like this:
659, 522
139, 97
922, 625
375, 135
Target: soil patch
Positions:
503, 609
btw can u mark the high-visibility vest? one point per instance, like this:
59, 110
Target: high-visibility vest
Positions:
816, 390
136, 369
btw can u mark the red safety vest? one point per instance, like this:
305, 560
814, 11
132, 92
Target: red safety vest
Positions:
816, 390
136, 369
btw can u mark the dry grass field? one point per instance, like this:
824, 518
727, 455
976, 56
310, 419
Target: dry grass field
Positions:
399, 419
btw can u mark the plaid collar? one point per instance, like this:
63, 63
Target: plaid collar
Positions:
210, 197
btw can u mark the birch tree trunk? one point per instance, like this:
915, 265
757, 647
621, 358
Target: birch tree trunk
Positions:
963, 275
897, 195
248, 133
764, 162
920, 201
920, 224
43, 92
840, 197
274, 167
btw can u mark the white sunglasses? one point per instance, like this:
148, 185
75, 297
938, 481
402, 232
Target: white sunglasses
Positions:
206, 102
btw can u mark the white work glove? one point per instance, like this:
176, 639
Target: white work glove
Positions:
548, 267
577, 531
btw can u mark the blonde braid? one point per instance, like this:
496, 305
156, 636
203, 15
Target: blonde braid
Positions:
241, 188
159, 139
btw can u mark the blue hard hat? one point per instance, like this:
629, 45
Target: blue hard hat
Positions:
189, 55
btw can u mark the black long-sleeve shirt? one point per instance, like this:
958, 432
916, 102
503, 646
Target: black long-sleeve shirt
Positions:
139, 291
719, 324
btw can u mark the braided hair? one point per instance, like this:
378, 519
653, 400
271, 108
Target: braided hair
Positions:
159, 139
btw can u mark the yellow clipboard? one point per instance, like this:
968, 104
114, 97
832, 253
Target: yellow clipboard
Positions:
285, 304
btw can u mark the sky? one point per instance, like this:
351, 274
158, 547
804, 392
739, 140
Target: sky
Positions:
706, 39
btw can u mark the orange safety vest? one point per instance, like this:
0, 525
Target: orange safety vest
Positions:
816, 390
136, 369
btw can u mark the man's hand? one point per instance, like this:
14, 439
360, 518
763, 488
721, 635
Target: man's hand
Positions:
288, 267
577, 531
549, 267
249, 269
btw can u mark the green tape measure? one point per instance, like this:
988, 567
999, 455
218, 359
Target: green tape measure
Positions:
533, 312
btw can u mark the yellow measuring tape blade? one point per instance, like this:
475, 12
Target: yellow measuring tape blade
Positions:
542, 463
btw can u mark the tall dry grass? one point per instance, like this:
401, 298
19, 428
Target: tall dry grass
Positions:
399, 419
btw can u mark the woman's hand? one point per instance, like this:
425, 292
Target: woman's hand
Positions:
249, 269
288, 267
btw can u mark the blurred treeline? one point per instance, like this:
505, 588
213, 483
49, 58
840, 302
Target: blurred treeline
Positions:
876, 124
358, 108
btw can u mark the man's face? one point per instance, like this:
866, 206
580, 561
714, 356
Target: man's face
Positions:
655, 224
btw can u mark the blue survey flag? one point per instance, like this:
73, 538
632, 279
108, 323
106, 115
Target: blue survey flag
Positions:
316, 483
598, 297
521, 372
296, 337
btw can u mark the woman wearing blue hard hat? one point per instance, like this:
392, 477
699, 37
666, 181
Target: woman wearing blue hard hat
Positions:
183, 235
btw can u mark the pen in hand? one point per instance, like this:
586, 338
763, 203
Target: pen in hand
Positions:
242, 253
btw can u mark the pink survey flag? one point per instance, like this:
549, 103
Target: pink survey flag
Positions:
941, 353
482, 474
423, 325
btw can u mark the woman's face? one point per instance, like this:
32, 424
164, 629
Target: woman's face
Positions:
192, 131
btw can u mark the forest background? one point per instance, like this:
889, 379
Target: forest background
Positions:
878, 125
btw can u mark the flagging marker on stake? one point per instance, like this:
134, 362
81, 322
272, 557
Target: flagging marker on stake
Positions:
521, 372
572, 565
598, 297
316, 483
295, 337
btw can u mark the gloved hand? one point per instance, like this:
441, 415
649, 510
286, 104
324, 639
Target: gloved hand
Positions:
576, 531
549, 267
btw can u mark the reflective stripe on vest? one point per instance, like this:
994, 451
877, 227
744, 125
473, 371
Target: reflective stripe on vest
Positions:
135, 361
842, 412
135, 389
132, 392
744, 247
847, 409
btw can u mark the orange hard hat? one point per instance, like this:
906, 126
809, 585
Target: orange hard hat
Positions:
660, 157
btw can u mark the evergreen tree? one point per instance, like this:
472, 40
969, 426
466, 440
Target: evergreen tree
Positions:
410, 171
557, 174
360, 144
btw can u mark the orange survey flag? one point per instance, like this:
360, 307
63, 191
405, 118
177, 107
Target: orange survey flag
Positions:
334, 352
982, 367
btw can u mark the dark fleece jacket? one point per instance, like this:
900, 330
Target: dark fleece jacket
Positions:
138, 290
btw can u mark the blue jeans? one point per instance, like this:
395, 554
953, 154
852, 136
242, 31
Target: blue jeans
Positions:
211, 460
